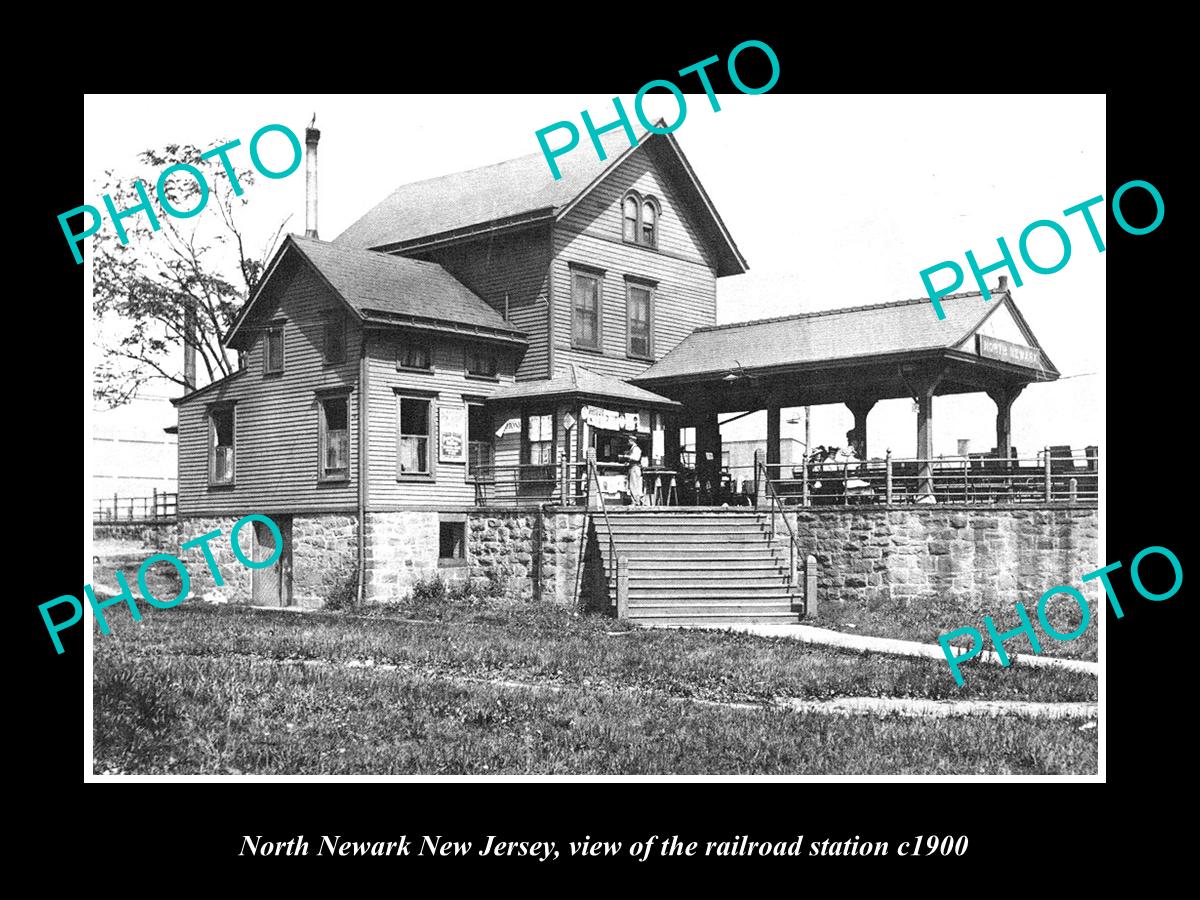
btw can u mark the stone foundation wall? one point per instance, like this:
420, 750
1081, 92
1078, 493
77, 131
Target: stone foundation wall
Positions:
236, 576
163, 537
980, 560
505, 542
402, 547
563, 541
324, 559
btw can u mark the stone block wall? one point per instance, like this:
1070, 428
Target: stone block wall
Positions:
979, 559
505, 542
236, 576
324, 558
401, 548
563, 541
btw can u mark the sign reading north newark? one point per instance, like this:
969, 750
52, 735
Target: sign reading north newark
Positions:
994, 348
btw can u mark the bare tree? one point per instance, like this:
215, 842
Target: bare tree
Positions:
180, 286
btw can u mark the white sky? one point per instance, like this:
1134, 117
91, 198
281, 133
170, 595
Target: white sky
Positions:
834, 201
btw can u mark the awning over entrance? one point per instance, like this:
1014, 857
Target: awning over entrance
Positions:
578, 382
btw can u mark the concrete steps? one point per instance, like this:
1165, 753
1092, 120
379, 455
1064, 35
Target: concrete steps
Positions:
712, 566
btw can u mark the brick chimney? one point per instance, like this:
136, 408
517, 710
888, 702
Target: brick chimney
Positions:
1002, 286
311, 136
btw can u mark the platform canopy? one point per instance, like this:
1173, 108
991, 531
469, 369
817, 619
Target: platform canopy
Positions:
882, 351
858, 356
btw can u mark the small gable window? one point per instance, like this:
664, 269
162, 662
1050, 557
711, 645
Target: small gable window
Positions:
411, 355
639, 220
335, 338
649, 218
482, 363
273, 349
631, 218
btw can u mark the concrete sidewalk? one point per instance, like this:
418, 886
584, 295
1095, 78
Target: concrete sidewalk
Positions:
809, 634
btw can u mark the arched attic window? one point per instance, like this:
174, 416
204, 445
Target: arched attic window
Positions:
630, 228
649, 234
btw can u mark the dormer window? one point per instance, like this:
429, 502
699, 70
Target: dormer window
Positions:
639, 220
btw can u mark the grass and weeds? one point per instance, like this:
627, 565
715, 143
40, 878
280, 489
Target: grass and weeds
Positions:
228, 689
925, 622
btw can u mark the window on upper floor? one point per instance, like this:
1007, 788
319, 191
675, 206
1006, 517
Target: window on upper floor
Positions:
585, 310
273, 349
482, 362
221, 428
640, 219
413, 355
335, 438
639, 313
335, 338
479, 441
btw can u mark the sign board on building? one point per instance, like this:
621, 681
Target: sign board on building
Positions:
610, 420
568, 422
1008, 352
452, 445
512, 426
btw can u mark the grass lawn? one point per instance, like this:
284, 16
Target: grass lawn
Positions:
924, 622
513, 688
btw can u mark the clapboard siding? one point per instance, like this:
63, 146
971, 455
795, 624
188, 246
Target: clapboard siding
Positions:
277, 430
514, 264
449, 487
686, 296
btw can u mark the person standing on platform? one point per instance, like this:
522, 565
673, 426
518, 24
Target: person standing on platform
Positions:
634, 458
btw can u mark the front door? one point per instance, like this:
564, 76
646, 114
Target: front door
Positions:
272, 586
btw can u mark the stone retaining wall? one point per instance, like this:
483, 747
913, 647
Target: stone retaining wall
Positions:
979, 559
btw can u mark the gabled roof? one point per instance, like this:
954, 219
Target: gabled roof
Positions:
391, 289
581, 382
523, 191
842, 335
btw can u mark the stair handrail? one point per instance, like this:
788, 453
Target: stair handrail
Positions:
593, 473
792, 545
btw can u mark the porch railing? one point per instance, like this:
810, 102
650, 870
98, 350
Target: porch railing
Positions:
562, 484
1056, 475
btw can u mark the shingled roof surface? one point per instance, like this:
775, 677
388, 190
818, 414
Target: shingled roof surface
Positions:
513, 188
394, 285
578, 380
827, 335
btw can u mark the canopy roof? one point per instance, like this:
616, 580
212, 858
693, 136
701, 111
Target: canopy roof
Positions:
577, 381
877, 351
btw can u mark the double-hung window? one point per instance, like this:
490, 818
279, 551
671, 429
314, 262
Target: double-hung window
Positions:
640, 317
585, 309
639, 220
414, 419
479, 440
335, 339
221, 427
335, 437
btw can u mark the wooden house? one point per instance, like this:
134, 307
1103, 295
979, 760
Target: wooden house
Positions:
453, 349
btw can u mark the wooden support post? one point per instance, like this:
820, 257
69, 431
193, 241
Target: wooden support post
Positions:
154, 515
888, 477
622, 587
562, 481
793, 565
860, 407
1003, 397
1049, 483
810, 587
594, 500
804, 478
774, 415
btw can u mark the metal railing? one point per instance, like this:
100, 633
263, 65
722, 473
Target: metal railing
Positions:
593, 476
159, 507
1056, 475
561, 484
760, 472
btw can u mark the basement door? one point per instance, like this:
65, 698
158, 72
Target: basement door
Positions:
272, 586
